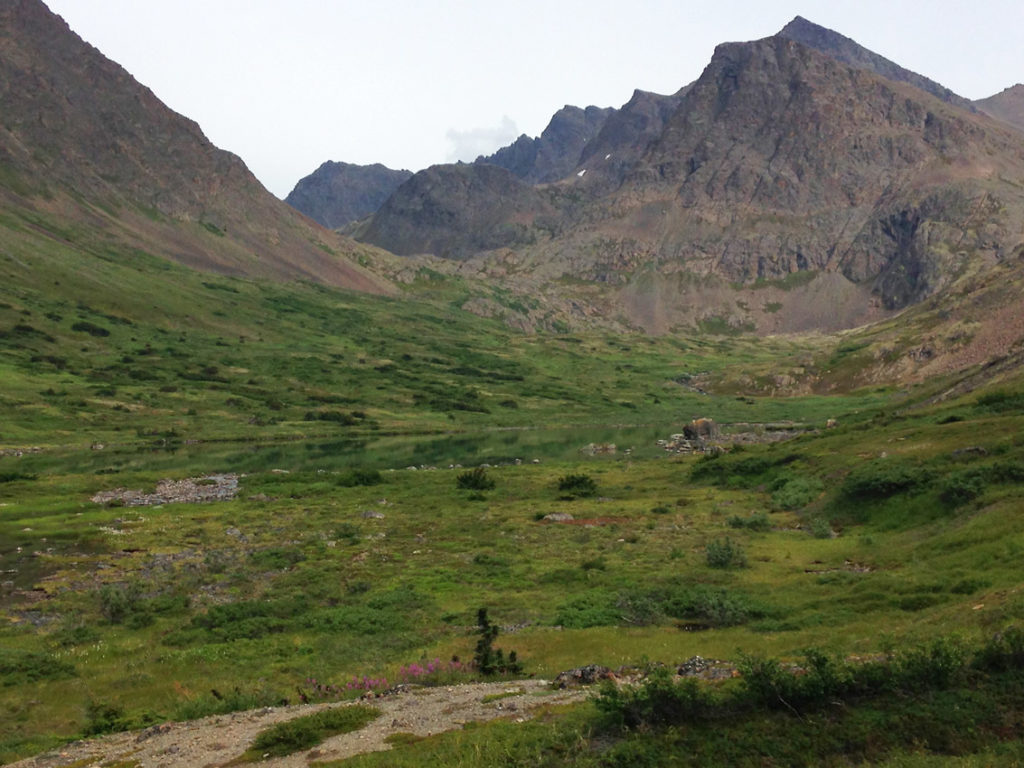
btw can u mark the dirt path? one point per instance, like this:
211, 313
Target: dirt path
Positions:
214, 741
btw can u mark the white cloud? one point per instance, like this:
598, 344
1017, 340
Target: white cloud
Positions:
469, 145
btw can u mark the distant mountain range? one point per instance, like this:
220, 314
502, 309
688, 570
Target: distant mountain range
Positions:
801, 182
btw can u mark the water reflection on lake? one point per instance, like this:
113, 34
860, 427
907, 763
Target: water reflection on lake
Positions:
385, 452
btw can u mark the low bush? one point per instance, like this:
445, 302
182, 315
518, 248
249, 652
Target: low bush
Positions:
577, 485
724, 553
302, 733
757, 521
659, 701
475, 479
359, 477
883, 478
19, 667
795, 493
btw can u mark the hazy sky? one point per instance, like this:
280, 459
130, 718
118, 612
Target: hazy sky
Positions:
288, 84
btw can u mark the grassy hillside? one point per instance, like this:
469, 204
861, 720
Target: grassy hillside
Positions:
124, 370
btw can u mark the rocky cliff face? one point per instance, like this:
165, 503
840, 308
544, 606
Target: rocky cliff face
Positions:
555, 153
78, 134
336, 194
1007, 105
455, 211
781, 159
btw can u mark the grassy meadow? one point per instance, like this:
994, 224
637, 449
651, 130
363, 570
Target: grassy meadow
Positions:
340, 562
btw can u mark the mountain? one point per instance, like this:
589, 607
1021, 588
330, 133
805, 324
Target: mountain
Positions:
784, 190
555, 153
844, 49
454, 211
83, 144
336, 194
1007, 105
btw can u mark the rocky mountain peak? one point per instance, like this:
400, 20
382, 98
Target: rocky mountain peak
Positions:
336, 194
555, 153
1007, 105
850, 52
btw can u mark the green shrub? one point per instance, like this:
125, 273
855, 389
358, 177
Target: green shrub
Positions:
364, 477
820, 527
795, 493
118, 602
1002, 652
724, 553
757, 521
101, 717
1001, 401
19, 667
302, 733
962, 487
577, 485
475, 479
716, 606
90, 328
657, 701
883, 478
277, 558
593, 609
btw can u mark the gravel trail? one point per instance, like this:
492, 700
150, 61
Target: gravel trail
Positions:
214, 741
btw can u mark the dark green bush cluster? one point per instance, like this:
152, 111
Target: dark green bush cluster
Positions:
354, 477
729, 472
703, 605
1001, 401
475, 479
725, 553
276, 558
820, 679
577, 485
92, 329
660, 701
19, 667
338, 417
795, 492
244, 620
302, 733
966, 485
757, 521
883, 478
103, 717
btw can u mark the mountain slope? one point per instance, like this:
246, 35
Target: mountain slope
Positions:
1007, 105
82, 141
336, 194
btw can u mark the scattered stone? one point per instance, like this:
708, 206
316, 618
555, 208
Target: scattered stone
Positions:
587, 675
372, 514
597, 449
971, 450
192, 490
558, 517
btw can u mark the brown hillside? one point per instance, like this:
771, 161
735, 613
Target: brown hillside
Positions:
82, 139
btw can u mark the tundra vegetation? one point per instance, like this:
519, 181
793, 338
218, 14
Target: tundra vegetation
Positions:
880, 556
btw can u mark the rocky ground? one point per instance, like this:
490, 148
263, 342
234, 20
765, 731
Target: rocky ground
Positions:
215, 741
